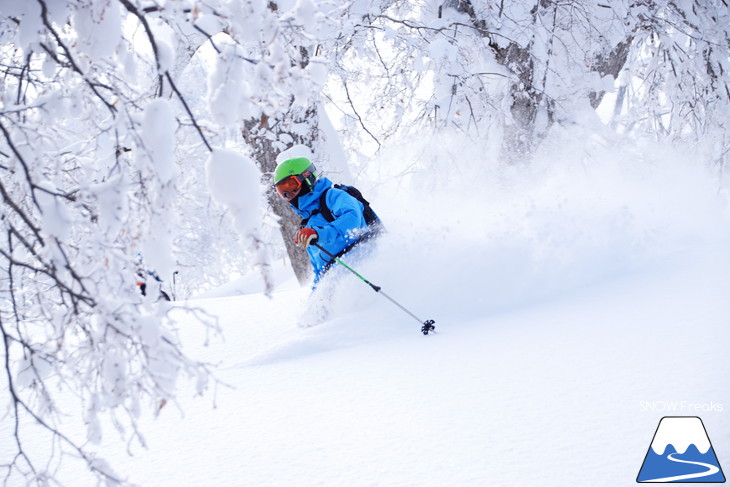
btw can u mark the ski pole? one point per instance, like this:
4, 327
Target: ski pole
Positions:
427, 325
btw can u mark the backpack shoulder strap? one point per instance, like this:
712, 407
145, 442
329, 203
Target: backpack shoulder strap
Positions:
323, 208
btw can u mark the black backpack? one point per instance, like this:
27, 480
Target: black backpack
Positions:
370, 217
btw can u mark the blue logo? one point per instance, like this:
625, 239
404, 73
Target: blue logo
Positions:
681, 452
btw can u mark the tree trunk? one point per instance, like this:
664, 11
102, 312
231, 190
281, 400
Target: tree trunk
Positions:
267, 139
519, 137
611, 64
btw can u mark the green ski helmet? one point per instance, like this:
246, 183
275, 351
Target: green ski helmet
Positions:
291, 173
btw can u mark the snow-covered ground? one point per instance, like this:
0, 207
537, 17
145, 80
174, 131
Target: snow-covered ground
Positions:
547, 394
573, 311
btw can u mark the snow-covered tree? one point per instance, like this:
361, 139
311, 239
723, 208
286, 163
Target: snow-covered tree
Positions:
505, 69
508, 71
104, 149
676, 83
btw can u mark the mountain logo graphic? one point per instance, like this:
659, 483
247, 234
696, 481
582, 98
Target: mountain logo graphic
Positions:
681, 452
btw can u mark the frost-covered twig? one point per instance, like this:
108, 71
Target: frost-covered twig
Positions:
359, 118
93, 85
189, 112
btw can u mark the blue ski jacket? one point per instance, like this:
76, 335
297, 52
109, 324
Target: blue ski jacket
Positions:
347, 228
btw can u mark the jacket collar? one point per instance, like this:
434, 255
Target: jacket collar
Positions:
308, 204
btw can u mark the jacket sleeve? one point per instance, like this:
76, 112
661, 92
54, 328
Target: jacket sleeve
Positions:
349, 222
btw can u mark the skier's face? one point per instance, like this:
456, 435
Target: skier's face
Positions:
289, 188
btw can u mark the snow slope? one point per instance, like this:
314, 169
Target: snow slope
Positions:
572, 310
544, 395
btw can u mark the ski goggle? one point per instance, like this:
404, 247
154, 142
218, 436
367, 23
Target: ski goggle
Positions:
289, 187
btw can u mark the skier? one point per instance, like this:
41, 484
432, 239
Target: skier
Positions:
143, 273
335, 217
